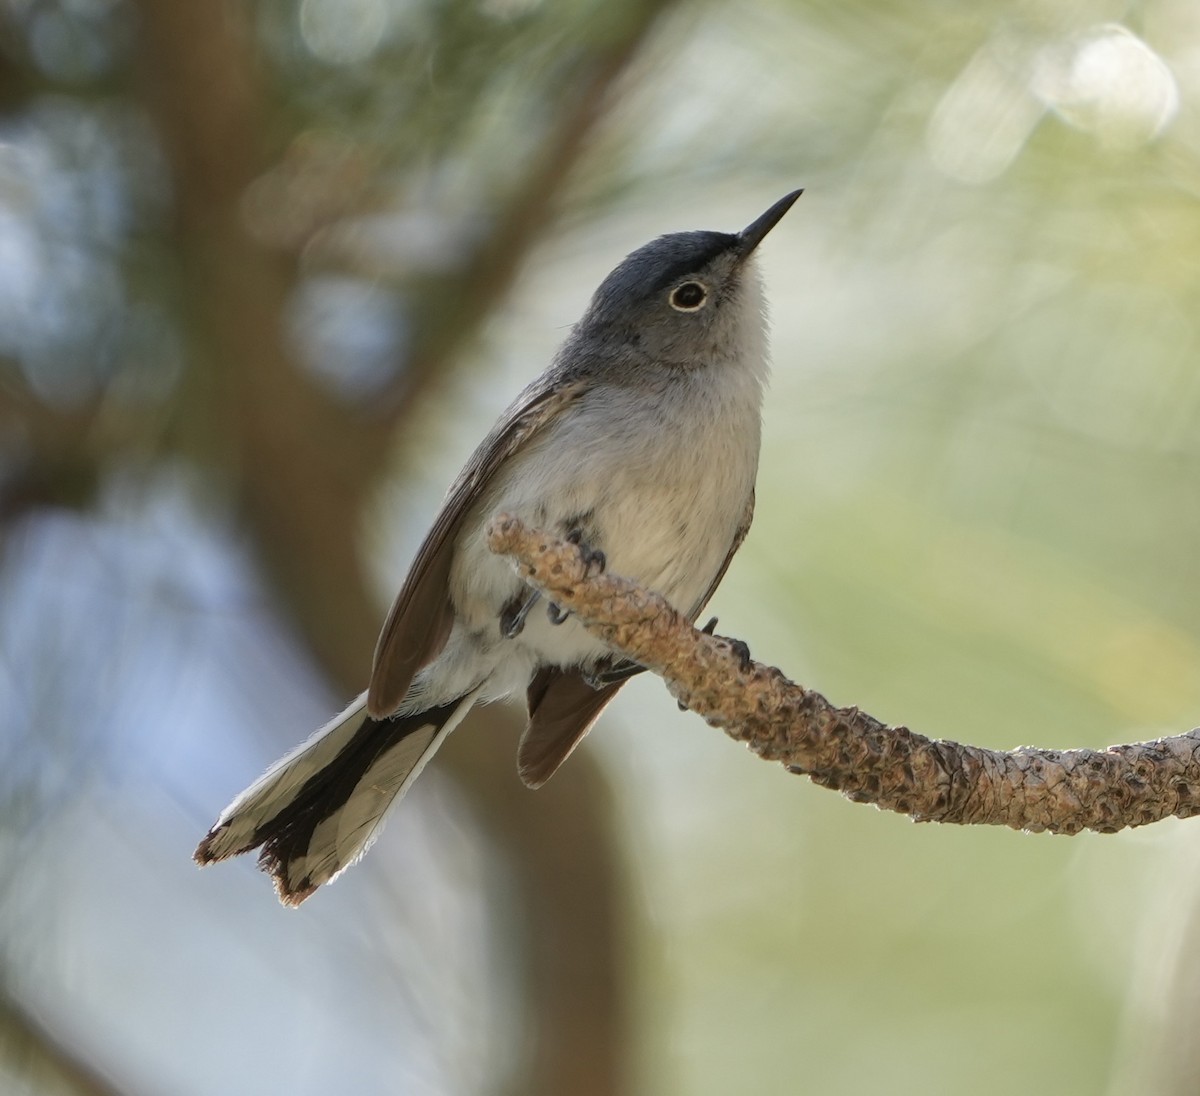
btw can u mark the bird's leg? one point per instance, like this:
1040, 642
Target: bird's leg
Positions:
512, 616
611, 673
592, 558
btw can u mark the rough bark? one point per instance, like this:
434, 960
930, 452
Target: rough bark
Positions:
931, 780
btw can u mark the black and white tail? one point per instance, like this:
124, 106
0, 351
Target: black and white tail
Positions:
317, 811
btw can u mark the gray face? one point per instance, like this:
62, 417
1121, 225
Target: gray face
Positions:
679, 301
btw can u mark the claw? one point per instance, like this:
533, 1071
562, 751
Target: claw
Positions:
592, 557
739, 648
512, 618
609, 675
556, 615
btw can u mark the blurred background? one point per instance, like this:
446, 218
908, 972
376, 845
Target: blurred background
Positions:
267, 273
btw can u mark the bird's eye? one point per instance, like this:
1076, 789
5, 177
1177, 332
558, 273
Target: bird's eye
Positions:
688, 297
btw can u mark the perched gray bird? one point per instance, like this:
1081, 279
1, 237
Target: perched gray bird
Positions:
639, 442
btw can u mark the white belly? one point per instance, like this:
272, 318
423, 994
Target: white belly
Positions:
662, 496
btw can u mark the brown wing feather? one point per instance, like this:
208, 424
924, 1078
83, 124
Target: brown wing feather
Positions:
563, 707
421, 617
738, 537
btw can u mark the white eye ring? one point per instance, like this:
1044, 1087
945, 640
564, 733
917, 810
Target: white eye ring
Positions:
690, 296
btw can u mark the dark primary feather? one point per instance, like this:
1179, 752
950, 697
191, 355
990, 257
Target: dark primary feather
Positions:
422, 615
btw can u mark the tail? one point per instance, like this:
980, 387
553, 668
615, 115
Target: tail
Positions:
317, 811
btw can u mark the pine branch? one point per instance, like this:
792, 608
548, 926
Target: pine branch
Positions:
931, 780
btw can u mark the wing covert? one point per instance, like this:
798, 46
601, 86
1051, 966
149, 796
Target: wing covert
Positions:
422, 615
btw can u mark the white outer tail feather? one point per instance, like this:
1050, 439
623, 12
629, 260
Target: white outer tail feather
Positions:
340, 840
233, 832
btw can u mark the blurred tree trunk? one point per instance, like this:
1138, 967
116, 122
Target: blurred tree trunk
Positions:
302, 466
44, 1060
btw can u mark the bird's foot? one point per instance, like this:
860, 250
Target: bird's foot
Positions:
594, 563
512, 617
594, 560
739, 648
610, 674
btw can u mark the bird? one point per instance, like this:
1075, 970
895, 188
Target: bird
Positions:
640, 442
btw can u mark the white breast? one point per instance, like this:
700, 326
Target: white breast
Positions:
658, 476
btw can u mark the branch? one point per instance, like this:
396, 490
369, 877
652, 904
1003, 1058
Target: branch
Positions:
931, 780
